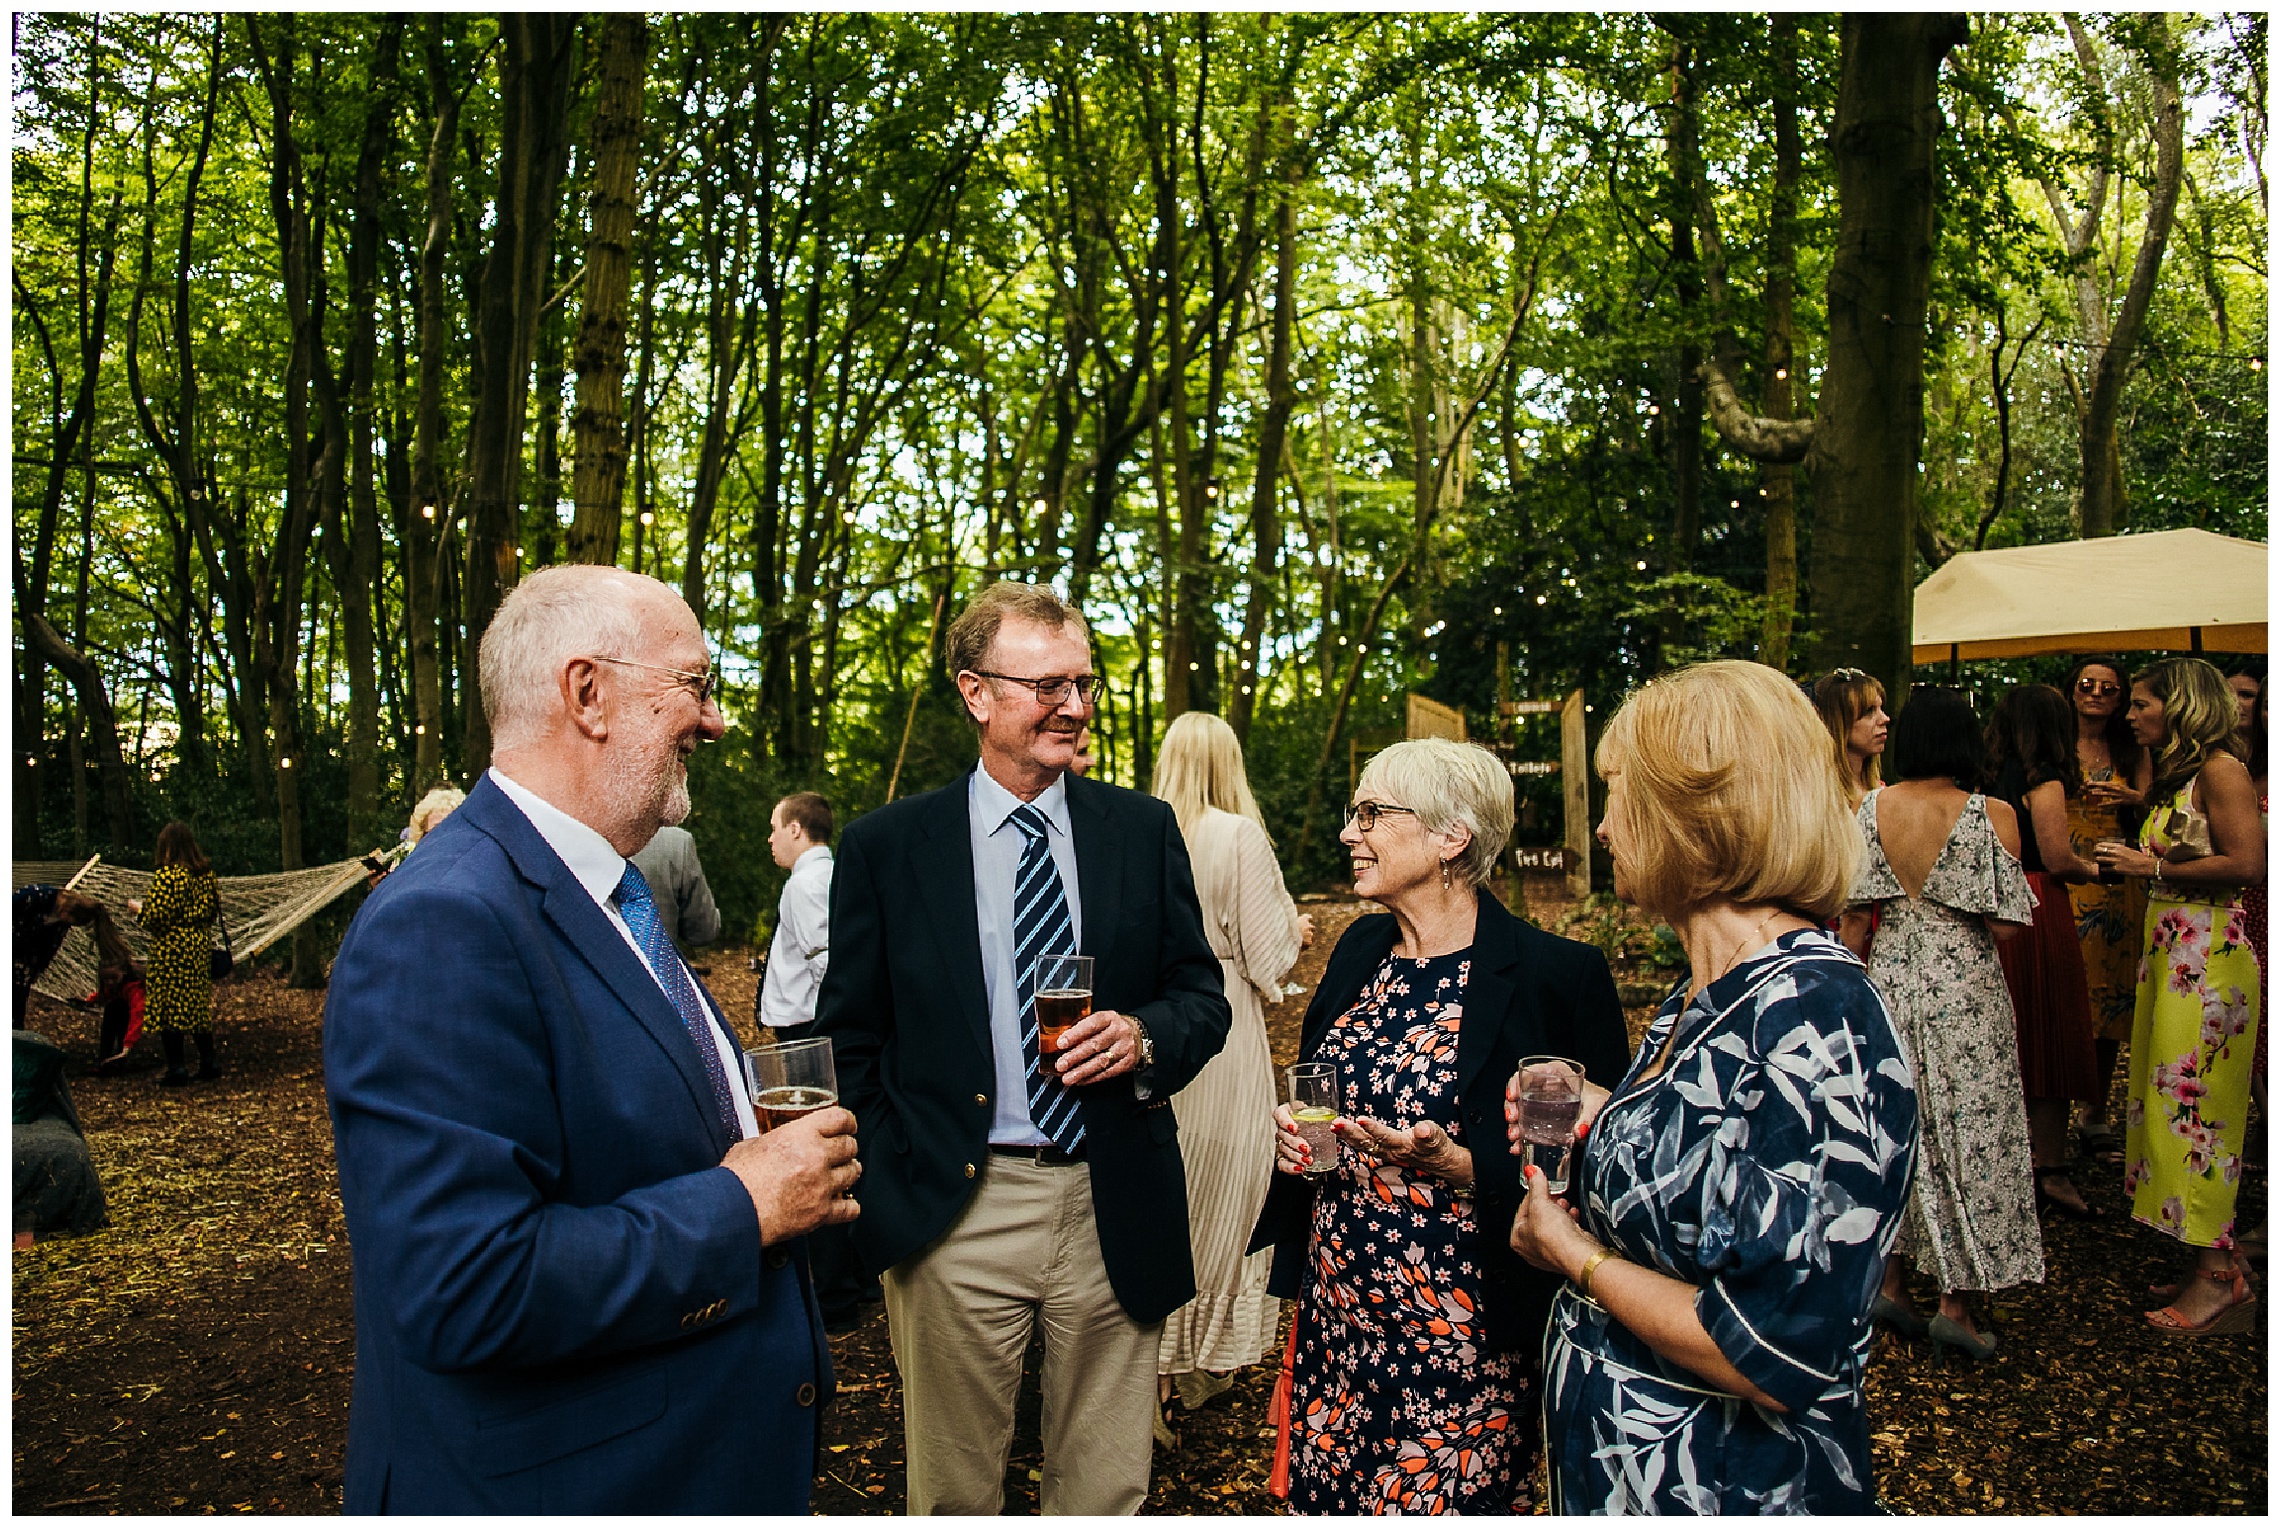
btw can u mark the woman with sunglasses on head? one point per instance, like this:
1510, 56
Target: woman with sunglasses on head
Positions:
2109, 913
2194, 1040
1418, 1330
1851, 704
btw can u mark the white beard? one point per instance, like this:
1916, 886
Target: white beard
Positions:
646, 791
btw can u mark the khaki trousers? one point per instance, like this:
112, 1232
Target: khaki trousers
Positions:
959, 1315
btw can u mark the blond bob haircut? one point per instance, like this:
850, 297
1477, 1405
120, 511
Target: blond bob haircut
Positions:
1446, 783
435, 806
1200, 765
1727, 793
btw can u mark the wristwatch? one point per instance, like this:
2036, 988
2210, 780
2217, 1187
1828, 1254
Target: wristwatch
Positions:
1147, 1046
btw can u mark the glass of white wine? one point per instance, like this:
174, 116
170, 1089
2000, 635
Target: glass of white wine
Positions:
1314, 1109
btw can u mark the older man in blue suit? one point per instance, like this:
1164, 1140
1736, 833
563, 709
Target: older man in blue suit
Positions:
581, 1284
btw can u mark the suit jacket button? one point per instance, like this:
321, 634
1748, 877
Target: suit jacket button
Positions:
969, 1169
777, 1257
983, 1099
805, 1395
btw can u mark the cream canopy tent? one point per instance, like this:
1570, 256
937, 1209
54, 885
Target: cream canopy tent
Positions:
2177, 590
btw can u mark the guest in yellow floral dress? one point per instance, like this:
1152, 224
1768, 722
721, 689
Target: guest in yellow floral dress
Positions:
2193, 1044
2109, 916
179, 916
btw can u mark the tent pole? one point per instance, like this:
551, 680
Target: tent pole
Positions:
1955, 663
2196, 639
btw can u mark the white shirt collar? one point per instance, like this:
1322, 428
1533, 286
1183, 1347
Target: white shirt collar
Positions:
993, 803
597, 866
809, 853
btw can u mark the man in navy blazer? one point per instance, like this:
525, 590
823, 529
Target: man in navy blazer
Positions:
581, 1284
1007, 1187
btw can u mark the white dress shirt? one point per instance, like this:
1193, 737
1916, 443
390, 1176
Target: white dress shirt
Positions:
801, 950
997, 845
598, 868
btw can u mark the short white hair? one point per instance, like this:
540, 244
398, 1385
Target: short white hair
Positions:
1446, 783
571, 610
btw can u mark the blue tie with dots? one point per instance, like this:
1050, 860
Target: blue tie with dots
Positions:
639, 909
1041, 927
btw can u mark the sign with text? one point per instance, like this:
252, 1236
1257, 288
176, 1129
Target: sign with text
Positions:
1552, 858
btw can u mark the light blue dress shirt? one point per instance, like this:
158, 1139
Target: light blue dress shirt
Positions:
997, 859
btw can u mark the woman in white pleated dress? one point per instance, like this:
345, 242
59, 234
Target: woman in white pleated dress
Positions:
1226, 1116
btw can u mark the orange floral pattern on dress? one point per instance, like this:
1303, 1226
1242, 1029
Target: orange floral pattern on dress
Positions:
1396, 1407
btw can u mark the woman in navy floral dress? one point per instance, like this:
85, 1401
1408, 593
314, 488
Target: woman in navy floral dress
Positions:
1736, 1195
1417, 1330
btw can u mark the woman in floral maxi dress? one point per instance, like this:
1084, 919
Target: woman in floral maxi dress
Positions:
2194, 1044
1971, 1220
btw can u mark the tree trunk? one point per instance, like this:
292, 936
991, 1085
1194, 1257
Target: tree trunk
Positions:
356, 558
2104, 504
429, 521
1777, 481
1870, 420
1274, 428
598, 426
1683, 427
102, 723
534, 110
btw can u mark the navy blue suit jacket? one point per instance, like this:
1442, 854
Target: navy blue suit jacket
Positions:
907, 1010
562, 1303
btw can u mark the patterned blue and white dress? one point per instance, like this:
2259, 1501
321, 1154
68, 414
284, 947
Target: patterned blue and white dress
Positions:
1767, 1164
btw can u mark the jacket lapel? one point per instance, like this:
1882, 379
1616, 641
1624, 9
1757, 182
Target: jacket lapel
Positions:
1489, 989
942, 866
1100, 866
589, 933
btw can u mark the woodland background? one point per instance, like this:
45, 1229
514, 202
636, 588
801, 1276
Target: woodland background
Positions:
1320, 358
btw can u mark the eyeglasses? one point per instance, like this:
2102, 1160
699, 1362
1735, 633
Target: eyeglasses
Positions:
706, 685
1365, 814
2096, 687
1053, 688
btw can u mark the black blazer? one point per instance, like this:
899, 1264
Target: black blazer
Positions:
904, 1004
1528, 994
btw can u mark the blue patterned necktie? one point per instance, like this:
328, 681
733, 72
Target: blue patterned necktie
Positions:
1041, 927
639, 909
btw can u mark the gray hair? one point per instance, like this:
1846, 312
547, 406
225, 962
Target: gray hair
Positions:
1447, 783
571, 610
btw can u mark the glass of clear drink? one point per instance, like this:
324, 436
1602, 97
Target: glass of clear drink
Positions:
789, 1079
1551, 1100
1314, 1109
1064, 998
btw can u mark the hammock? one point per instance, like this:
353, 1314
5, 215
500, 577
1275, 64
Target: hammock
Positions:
260, 910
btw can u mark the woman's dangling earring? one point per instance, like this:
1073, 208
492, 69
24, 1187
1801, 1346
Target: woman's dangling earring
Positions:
1448, 878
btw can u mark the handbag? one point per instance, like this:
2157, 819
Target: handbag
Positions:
218, 963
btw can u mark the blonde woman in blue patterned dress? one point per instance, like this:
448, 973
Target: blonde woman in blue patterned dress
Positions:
1734, 1198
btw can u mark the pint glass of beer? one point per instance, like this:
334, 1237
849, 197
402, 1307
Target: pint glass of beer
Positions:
790, 1079
1064, 997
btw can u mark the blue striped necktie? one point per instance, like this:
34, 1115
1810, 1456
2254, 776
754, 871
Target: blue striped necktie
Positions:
639, 909
1041, 927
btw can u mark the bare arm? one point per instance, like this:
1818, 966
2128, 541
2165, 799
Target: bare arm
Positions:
2005, 822
2046, 810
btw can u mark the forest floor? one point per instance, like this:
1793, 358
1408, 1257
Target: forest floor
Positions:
195, 1356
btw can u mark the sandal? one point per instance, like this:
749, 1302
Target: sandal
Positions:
2046, 1200
2168, 1292
2236, 1315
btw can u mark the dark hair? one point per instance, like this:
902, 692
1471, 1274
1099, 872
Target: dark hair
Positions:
2034, 726
811, 812
177, 846
1936, 736
2259, 736
2122, 745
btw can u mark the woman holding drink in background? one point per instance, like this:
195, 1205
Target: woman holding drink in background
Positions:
2109, 913
1733, 1199
1227, 1134
1414, 1345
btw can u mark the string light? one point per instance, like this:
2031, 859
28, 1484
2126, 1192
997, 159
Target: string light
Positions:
427, 511
647, 518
